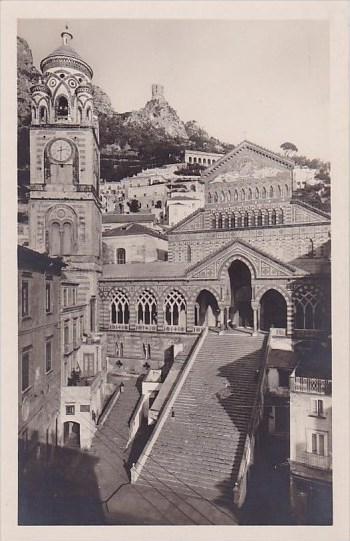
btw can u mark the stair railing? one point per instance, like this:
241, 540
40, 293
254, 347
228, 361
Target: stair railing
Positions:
257, 409
137, 468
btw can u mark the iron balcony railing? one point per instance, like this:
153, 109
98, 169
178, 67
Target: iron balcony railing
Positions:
314, 460
310, 385
119, 326
145, 327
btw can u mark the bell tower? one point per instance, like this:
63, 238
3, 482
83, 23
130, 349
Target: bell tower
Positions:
64, 207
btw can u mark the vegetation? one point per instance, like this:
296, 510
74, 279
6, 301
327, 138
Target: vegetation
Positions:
289, 148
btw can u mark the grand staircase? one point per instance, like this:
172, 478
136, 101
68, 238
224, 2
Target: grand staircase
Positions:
200, 446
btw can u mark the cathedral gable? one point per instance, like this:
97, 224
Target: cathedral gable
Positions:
248, 162
262, 264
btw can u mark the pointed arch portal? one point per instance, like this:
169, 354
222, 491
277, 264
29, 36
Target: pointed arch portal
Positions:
240, 313
273, 310
206, 309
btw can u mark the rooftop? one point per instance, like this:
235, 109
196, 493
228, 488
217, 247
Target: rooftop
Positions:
31, 260
142, 271
133, 229
138, 217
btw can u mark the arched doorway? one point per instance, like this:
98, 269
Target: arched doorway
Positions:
206, 309
241, 313
273, 310
71, 434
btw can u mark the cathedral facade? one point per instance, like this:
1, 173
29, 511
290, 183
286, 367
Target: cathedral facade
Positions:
253, 257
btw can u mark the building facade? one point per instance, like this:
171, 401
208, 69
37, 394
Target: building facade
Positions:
65, 221
38, 351
134, 243
201, 158
311, 437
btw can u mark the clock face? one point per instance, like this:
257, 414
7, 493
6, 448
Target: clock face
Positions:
61, 150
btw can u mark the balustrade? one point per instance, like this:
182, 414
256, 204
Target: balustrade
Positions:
314, 460
310, 385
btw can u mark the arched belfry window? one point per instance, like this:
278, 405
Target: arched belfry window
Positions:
43, 114
119, 308
67, 239
175, 309
120, 256
62, 109
147, 309
61, 238
55, 239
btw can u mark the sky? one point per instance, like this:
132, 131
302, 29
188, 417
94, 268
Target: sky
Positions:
265, 81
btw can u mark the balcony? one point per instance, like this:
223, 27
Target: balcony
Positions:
146, 328
119, 326
314, 461
310, 385
197, 329
174, 328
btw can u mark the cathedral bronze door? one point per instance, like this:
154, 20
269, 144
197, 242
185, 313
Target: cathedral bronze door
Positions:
241, 313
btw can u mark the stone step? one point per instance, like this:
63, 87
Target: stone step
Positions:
202, 444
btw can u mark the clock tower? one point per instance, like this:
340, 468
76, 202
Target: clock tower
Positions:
64, 207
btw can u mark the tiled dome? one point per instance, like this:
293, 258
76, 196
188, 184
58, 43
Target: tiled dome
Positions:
66, 55
65, 50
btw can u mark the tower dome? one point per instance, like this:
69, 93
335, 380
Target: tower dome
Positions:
66, 56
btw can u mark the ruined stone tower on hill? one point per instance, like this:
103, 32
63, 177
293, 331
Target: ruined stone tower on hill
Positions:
158, 92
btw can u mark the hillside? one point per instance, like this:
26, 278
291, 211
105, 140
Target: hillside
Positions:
151, 136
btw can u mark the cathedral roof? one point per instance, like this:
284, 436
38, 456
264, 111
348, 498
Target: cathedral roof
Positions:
133, 229
144, 271
111, 217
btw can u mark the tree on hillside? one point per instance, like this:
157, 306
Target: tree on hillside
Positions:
289, 148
